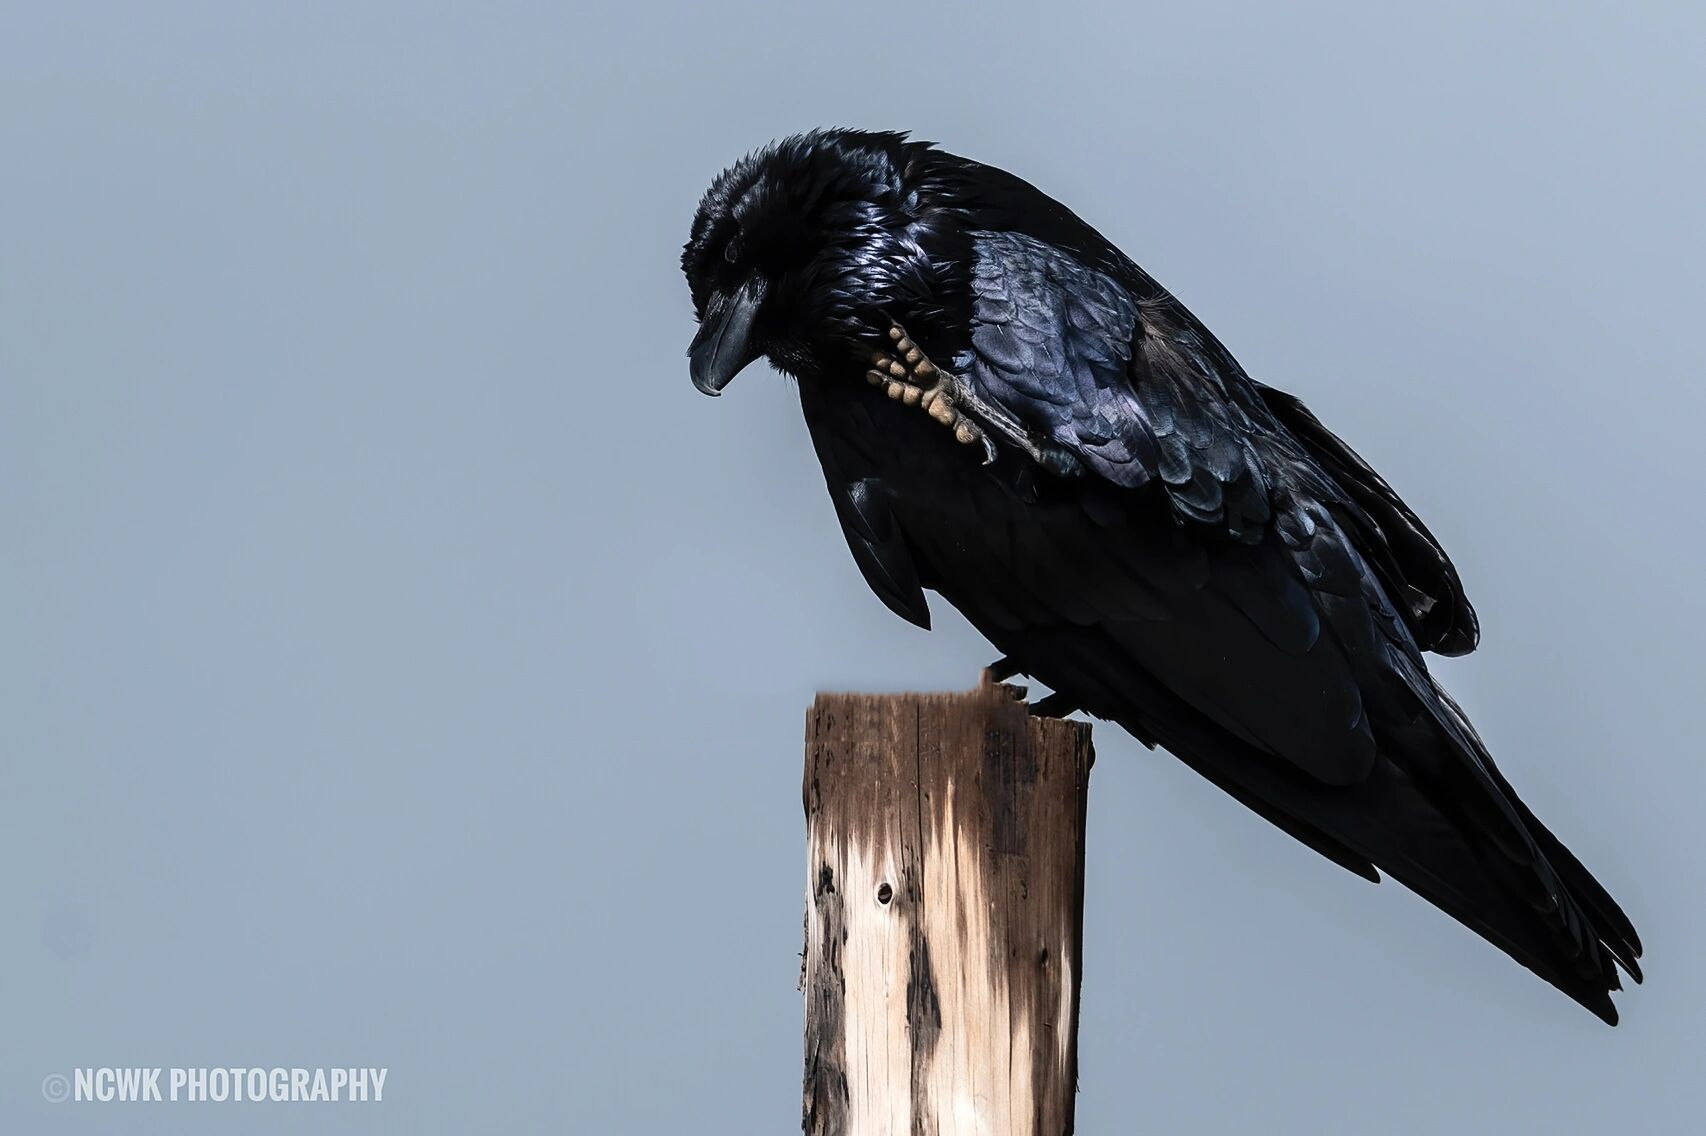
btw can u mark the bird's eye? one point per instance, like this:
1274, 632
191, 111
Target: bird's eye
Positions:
732, 250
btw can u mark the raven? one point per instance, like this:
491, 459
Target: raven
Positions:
1011, 413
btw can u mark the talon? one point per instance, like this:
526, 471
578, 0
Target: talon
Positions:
922, 383
1054, 706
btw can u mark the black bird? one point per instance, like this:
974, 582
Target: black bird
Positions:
1011, 413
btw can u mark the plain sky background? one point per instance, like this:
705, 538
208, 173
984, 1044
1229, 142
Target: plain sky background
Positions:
400, 664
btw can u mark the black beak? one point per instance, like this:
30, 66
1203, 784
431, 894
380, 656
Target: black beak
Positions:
724, 344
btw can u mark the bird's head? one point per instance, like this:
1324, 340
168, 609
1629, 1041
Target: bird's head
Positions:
796, 248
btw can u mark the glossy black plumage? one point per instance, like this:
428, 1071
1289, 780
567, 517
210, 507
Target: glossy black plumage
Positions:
1174, 547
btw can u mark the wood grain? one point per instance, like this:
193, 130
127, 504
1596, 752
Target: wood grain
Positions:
944, 909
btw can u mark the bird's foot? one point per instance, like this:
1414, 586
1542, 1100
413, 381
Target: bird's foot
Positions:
910, 377
1056, 705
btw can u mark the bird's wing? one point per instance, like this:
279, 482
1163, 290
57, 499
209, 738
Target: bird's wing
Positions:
1139, 394
1411, 564
1260, 640
1062, 346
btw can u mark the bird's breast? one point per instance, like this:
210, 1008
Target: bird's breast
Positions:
917, 458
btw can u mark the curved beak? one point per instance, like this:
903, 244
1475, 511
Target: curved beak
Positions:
724, 345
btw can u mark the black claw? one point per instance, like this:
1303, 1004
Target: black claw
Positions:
1003, 669
1054, 706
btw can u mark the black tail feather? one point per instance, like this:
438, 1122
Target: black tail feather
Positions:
1466, 844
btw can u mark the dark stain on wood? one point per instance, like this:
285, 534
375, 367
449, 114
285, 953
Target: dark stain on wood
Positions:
825, 1104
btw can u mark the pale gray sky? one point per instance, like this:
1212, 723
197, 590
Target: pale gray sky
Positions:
404, 666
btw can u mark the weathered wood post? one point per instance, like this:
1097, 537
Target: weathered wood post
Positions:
944, 908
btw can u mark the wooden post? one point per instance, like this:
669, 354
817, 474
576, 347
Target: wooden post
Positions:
944, 909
